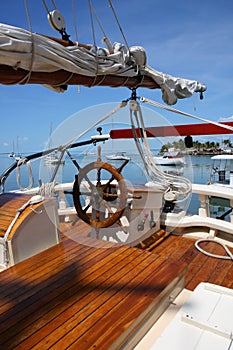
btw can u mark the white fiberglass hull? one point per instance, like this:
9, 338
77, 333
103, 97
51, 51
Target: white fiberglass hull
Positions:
169, 160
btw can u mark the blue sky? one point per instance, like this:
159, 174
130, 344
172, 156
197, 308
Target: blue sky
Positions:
186, 39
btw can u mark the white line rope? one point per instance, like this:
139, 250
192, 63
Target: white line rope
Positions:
115, 110
229, 257
180, 186
170, 109
21, 162
47, 189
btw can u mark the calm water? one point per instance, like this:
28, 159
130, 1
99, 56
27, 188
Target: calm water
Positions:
197, 169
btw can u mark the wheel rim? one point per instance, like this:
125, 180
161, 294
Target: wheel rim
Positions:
106, 199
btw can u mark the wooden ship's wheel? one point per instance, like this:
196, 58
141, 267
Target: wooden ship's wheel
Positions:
100, 194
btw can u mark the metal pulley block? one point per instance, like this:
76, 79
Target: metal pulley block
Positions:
56, 20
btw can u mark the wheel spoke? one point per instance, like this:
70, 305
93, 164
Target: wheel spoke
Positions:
86, 208
124, 229
122, 166
110, 195
105, 204
96, 215
85, 193
105, 186
98, 184
89, 181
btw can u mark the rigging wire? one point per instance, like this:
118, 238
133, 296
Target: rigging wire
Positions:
45, 6
170, 109
94, 40
25, 79
118, 22
28, 15
92, 23
75, 20
98, 20
54, 5
106, 39
102, 119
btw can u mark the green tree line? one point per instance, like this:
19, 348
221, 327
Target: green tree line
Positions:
180, 145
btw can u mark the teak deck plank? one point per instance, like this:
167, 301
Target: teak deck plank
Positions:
80, 317
46, 280
70, 291
200, 267
135, 300
82, 296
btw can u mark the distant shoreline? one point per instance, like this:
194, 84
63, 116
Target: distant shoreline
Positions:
206, 152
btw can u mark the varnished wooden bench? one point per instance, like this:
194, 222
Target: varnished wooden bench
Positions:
95, 295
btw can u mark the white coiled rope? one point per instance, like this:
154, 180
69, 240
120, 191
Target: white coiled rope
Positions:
47, 189
21, 162
229, 257
178, 186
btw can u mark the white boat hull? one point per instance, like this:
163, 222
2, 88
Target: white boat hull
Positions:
169, 160
118, 157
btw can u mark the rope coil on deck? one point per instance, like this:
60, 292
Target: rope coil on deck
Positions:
229, 257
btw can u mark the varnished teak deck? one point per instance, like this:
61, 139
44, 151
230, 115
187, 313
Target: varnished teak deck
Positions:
94, 294
200, 267
79, 296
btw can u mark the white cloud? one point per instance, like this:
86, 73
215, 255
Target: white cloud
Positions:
229, 119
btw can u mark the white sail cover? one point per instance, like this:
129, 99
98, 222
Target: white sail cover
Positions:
20, 48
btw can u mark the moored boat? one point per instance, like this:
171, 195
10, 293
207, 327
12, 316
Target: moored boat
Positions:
170, 158
118, 156
53, 159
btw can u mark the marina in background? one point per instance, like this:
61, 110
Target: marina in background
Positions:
197, 172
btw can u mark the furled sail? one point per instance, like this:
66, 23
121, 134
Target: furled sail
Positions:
27, 57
